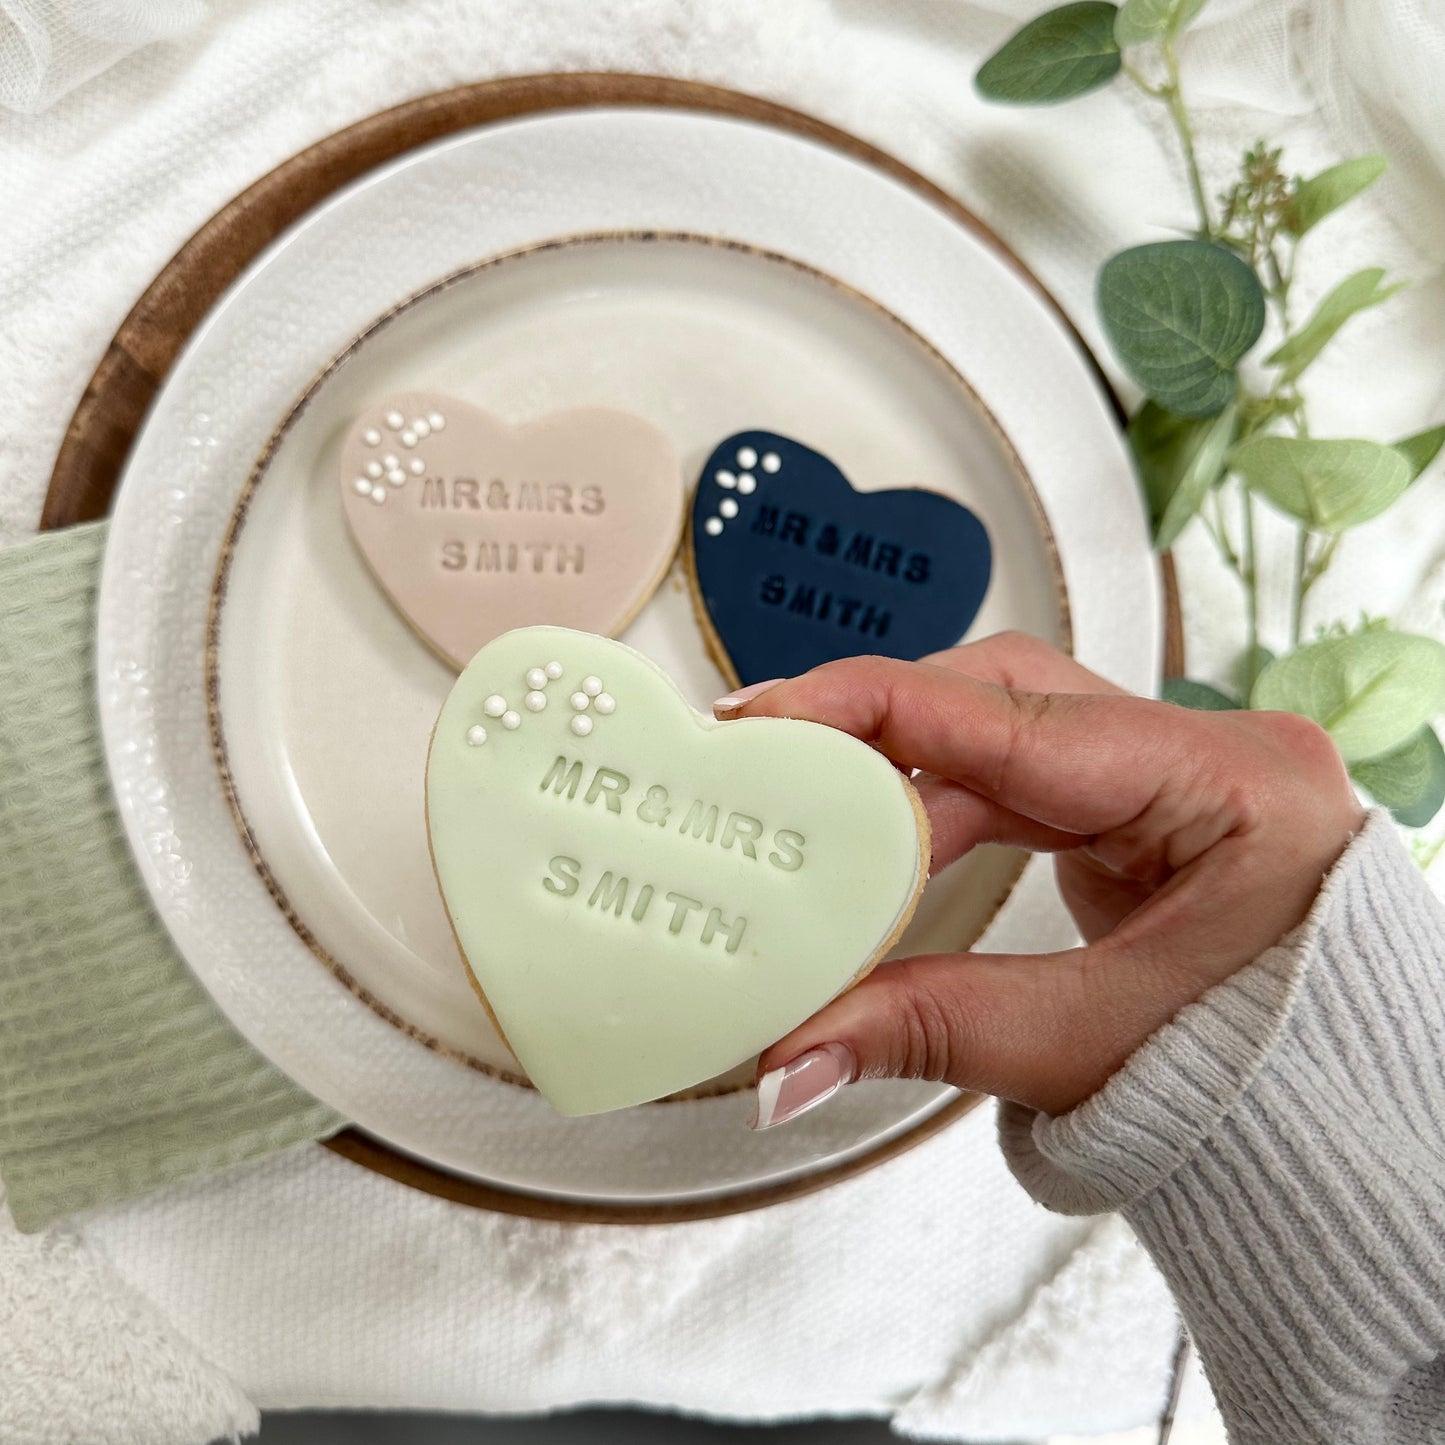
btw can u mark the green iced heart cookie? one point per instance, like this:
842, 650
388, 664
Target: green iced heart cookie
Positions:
646, 897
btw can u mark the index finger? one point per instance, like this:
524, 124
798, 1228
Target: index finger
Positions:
1023, 662
961, 818
1079, 762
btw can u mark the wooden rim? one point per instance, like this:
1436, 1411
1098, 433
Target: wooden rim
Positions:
135, 364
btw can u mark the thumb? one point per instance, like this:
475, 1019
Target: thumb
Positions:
1013, 1026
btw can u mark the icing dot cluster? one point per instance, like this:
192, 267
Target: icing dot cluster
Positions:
389, 469
587, 701
744, 482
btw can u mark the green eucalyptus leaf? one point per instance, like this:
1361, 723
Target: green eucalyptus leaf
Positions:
1410, 782
1061, 54
1184, 692
1371, 691
1180, 315
1165, 447
1204, 465
1249, 665
1420, 450
1162, 444
1331, 484
1141, 22
1354, 294
1315, 198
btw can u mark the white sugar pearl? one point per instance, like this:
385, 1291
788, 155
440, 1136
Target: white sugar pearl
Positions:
395, 420
747, 457
397, 477
495, 705
371, 437
580, 702
713, 527
728, 507
361, 487
378, 495
416, 466
374, 470
535, 701
747, 484
436, 420
476, 735
408, 438
421, 426
581, 725
390, 462
726, 480
511, 721
606, 704
553, 670
536, 678
591, 686
771, 461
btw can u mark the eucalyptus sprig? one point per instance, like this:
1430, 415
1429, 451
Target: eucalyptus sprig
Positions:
1209, 446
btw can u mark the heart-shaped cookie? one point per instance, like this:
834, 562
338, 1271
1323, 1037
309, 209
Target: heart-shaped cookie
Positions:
792, 567
646, 897
474, 527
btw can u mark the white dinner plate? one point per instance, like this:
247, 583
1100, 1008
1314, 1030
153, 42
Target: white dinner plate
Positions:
840, 308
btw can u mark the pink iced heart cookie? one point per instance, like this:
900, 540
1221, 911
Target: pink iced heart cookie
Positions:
473, 527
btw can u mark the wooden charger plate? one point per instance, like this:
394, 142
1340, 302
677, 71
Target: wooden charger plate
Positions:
104, 425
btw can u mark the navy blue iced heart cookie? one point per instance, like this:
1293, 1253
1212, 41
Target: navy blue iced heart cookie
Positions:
795, 568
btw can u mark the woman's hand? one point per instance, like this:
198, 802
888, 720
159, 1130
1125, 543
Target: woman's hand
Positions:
1187, 843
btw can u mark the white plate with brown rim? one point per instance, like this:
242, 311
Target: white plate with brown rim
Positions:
266, 711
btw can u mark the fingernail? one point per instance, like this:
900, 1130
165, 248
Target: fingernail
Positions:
785, 1093
734, 700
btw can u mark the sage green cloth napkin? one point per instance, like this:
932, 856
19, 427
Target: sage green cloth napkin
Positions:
117, 1072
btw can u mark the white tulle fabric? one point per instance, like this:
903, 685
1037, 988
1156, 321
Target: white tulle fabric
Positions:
930, 1289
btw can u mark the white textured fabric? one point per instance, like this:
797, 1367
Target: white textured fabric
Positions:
84, 1357
1087, 1336
48, 47
930, 1287
837, 1305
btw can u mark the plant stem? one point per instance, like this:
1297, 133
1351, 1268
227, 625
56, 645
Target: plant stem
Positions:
1320, 563
1215, 528
1251, 224
1226, 545
1301, 562
1174, 98
1307, 569
1147, 86
1279, 290
1250, 579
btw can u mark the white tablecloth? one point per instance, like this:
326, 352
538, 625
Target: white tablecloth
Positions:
930, 1290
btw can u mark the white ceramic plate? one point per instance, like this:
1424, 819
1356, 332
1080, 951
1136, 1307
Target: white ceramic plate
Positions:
702, 338
325, 697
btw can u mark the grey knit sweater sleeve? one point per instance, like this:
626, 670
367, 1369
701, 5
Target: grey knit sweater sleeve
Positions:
1279, 1148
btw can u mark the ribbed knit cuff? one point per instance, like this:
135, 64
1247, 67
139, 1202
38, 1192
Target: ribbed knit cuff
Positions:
1280, 1151
1170, 1096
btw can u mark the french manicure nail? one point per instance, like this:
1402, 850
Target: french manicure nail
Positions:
734, 700
795, 1088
